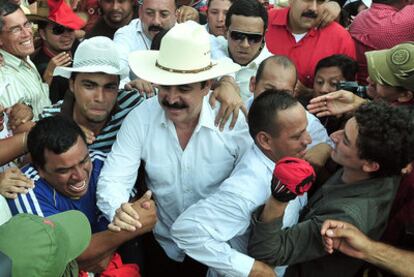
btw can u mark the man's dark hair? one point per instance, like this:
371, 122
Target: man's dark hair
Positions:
347, 65
56, 134
6, 8
263, 112
284, 61
250, 8
209, 2
385, 136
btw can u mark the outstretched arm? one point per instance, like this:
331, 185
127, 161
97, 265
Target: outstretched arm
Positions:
346, 238
335, 103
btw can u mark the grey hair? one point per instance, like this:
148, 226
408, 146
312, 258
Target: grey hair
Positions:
6, 8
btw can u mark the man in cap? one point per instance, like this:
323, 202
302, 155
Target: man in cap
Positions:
94, 101
57, 24
65, 176
391, 79
215, 231
186, 156
372, 149
23, 82
388, 23
49, 248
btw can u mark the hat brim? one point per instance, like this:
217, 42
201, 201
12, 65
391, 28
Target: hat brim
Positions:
75, 228
378, 69
66, 72
75, 24
142, 63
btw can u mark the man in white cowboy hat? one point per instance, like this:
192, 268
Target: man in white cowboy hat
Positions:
16, 44
186, 156
57, 24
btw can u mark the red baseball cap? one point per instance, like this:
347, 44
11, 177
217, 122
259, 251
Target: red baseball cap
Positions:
59, 12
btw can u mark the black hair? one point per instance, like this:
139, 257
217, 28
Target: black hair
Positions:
56, 134
385, 136
250, 8
6, 8
277, 59
263, 112
347, 65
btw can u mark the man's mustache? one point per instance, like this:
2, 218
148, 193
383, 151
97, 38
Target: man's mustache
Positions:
155, 28
173, 105
310, 14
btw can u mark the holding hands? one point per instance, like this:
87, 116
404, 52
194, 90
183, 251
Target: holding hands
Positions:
140, 214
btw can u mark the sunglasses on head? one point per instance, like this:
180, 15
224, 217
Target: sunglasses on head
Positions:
59, 29
251, 38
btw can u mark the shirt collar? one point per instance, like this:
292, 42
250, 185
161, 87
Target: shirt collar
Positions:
268, 162
14, 61
141, 30
379, 6
281, 19
206, 119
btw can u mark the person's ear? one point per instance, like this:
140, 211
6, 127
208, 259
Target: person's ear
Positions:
252, 84
42, 34
370, 167
264, 140
405, 96
71, 85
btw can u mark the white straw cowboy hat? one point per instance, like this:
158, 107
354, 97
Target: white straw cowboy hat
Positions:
97, 54
184, 58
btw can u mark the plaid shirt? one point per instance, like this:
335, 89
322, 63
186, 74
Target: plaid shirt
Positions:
380, 27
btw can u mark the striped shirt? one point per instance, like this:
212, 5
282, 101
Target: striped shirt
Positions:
44, 200
23, 84
127, 100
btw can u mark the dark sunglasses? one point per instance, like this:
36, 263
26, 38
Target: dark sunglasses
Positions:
251, 38
59, 29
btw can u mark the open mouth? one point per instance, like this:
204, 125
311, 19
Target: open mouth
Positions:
78, 187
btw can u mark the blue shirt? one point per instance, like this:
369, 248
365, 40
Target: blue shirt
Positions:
44, 200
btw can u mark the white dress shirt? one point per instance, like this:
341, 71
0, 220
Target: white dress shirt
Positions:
178, 178
220, 50
204, 230
131, 38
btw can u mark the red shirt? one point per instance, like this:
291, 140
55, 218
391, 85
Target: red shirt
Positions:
316, 45
380, 27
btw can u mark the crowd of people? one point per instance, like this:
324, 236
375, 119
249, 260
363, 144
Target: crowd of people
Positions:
206, 138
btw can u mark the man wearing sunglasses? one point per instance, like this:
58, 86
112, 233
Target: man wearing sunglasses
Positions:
57, 31
16, 44
246, 23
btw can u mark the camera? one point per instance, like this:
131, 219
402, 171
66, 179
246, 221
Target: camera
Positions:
353, 87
